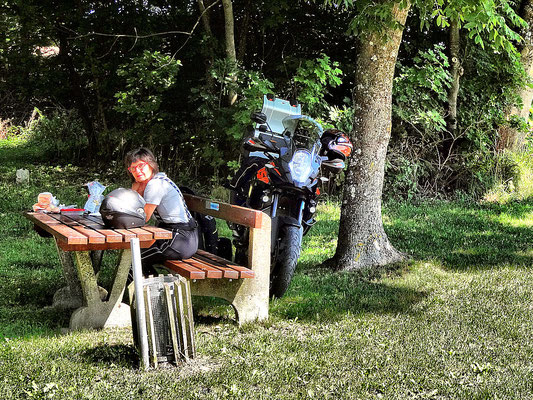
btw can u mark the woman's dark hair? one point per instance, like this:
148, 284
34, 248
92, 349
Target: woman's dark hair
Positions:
142, 154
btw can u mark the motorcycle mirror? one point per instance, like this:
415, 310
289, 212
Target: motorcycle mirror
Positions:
263, 128
259, 117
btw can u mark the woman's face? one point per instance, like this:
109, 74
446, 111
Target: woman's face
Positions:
140, 170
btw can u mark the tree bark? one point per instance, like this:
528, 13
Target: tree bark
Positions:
76, 87
230, 45
243, 39
456, 72
205, 18
210, 43
362, 240
510, 137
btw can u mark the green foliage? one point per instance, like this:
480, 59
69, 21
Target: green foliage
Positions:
341, 118
61, 135
487, 21
253, 86
220, 125
147, 78
420, 90
313, 78
513, 175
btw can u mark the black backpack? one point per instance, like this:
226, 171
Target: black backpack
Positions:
207, 228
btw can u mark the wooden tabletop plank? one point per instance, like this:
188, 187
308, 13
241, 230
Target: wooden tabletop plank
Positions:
57, 229
243, 271
142, 234
94, 218
101, 246
94, 221
110, 235
210, 271
153, 231
84, 220
92, 235
126, 235
185, 270
159, 233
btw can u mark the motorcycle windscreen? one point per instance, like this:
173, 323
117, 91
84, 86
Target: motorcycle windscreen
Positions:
303, 130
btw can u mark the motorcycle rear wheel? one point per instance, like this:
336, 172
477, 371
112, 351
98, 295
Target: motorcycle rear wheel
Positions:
286, 261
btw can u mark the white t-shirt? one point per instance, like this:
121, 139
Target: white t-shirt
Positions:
164, 193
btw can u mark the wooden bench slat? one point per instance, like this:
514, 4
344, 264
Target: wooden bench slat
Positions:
227, 272
92, 235
243, 271
185, 270
56, 228
210, 271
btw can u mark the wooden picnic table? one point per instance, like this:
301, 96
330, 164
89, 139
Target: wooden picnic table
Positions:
81, 241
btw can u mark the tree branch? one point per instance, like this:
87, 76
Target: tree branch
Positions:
137, 36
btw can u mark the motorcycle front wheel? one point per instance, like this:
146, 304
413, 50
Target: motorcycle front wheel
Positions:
286, 260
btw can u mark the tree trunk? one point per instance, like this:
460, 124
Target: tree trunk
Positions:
511, 138
210, 43
78, 96
456, 72
230, 45
205, 18
243, 39
362, 240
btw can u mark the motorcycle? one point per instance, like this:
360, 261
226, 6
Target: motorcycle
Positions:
285, 185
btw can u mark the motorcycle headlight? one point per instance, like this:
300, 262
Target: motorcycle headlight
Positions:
300, 166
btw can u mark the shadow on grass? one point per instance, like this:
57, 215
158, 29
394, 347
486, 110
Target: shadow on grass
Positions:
24, 321
28, 289
36, 264
118, 354
212, 311
321, 294
473, 237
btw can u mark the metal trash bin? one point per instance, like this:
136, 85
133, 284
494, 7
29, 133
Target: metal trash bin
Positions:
169, 318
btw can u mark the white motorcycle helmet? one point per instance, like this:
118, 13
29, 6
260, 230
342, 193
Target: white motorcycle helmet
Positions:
123, 209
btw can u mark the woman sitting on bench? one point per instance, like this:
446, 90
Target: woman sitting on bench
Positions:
165, 201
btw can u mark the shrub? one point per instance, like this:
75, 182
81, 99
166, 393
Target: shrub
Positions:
512, 177
61, 135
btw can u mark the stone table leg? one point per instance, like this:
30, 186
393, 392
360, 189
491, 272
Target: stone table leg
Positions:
96, 257
98, 313
70, 296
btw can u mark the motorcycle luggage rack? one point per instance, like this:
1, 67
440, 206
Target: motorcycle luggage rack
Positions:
275, 110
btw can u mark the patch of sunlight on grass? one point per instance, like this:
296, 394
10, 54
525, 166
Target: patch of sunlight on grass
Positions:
328, 210
525, 221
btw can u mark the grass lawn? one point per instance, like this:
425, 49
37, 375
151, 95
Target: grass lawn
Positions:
454, 322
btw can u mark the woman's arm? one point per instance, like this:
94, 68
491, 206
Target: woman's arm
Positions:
149, 210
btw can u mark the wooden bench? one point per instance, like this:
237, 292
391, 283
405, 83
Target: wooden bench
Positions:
246, 289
